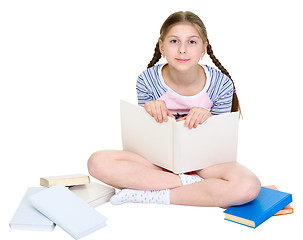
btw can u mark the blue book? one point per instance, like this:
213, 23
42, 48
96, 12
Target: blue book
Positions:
27, 217
68, 211
252, 214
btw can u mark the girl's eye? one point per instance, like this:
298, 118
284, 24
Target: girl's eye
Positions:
192, 42
174, 41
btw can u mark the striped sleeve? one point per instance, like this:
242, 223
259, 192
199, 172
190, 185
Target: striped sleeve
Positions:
144, 93
144, 89
221, 92
223, 102
149, 86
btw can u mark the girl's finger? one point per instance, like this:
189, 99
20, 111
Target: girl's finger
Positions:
203, 119
147, 108
181, 119
159, 117
170, 115
153, 111
191, 119
163, 112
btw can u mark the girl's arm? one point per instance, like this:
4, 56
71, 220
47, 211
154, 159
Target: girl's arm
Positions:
223, 101
156, 108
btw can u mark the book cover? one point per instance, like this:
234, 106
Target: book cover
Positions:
66, 180
287, 210
68, 211
93, 193
254, 213
172, 146
28, 218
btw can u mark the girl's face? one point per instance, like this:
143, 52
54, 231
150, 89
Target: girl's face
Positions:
182, 46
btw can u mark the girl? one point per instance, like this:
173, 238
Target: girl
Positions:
182, 87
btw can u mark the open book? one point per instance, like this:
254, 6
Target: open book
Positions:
172, 146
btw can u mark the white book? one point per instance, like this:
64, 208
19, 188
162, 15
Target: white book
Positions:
93, 193
66, 180
68, 211
27, 217
172, 146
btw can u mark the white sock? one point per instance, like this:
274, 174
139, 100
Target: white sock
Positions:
139, 196
189, 178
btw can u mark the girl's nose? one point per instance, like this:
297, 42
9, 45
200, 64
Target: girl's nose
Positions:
182, 48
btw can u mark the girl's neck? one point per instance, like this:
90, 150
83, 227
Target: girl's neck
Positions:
185, 83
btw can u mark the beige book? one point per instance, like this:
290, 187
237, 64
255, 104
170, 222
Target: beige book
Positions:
66, 180
172, 146
93, 193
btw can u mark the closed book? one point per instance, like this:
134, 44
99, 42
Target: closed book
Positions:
66, 180
252, 214
27, 217
287, 210
93, 193
68, 211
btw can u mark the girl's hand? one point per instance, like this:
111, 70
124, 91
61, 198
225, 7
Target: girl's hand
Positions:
158, 110
195, 117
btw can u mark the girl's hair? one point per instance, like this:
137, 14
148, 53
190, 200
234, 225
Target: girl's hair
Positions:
189, 17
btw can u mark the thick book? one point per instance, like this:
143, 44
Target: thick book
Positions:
68, 211
66, 180
287, 210
28, 218
254, 213
93, 193
174, 147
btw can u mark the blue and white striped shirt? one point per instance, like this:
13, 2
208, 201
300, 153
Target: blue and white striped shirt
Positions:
216, 95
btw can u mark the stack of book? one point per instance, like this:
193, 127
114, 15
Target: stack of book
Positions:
270, 202
67, 201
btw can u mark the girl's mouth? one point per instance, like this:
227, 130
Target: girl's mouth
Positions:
181, 60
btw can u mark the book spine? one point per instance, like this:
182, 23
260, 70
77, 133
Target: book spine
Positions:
272, 211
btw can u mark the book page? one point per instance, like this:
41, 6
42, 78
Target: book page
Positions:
213, 142
141, 134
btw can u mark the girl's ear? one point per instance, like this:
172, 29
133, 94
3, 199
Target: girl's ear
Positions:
161, 48
204, 51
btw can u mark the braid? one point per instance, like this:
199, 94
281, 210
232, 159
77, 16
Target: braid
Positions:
156, 57
235, 102
216, 61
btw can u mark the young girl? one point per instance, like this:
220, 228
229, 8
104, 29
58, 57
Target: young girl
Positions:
182, 89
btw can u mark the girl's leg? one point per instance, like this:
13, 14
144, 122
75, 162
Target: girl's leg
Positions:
225, 185
122, 169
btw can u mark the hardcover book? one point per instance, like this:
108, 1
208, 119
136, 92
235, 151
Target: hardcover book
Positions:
66, 180
27, 217
254, 213
287, 210
172, 146
68, 211
94, 194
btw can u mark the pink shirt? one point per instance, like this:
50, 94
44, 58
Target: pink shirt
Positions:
177, 103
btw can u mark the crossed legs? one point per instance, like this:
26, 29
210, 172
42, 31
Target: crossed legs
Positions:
224, 185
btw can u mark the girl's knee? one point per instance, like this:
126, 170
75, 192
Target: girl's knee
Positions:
248, 189
96, 164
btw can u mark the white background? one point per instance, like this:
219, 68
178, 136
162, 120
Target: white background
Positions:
64, 65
